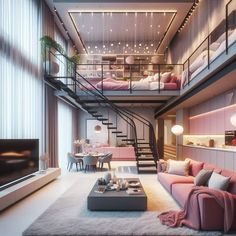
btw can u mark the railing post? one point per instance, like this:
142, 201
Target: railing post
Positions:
188, 71
159, 78
75, 65
130, 79
226, 27
208, 52
102, 78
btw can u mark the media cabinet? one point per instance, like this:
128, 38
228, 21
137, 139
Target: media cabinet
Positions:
20, 190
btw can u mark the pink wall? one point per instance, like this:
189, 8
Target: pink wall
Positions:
213, 116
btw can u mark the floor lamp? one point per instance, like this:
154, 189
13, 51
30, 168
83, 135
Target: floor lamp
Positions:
177, 130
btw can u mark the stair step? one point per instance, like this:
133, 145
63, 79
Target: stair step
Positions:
117, 132
147, 171
145, 153
91, 112
102, 119
143, 143
128, 140
128, 143
144, 148
111, 127
121, 136
145, 159
107, 123
146, 165
96, 116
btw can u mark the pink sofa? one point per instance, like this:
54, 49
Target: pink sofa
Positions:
211, 213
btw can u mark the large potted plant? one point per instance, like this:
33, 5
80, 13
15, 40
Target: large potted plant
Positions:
49, 44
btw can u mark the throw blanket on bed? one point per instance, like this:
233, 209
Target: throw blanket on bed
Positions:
190, 215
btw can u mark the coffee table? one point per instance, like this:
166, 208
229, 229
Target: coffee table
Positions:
117, 201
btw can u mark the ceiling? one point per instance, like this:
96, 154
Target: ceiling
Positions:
121, 27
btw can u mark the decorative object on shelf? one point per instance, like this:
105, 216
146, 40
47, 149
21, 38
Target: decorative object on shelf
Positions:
233, 119
177, 130
44, 163
129, 60
97, 129
155, 60
211, 143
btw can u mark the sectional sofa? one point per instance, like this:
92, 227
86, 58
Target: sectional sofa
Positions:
211, 213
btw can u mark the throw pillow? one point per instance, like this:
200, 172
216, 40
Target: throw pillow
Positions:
166, 77
194, 167
178, 167
202, 177
218, 181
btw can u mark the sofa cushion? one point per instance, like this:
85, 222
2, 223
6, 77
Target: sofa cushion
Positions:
170, 86
232, 182
218, 181
180, 192
212, 167
194, 167
178, 167
167, 180
202, 177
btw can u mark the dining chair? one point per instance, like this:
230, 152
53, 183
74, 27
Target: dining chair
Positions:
105, 159
90, 161
72, 159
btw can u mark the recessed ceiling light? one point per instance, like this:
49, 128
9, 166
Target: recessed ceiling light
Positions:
127, 45
140, 45
159, 26
126, 13
151, 44
110, 30
112, 44
119, 43
88, 47
84, 49
125, 51
96, 47
146, 47
104, 46
164, 14
151, 26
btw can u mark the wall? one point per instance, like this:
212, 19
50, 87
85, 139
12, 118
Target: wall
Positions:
205, 18
211, 117
147, 113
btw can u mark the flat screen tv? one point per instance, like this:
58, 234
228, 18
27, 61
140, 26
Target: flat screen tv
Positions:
18, 158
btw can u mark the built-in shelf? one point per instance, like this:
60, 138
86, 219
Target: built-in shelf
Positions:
226, 148
20, 190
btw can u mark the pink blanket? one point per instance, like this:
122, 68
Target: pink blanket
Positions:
190, 215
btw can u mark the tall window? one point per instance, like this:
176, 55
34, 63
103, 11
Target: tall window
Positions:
21, 90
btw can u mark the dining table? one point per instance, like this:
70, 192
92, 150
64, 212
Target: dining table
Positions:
94, 154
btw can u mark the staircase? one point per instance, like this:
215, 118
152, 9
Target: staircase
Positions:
80, 91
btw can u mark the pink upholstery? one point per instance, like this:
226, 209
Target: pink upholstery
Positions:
180, 192
232, 183
209, 208
212, 167
167, 180
170, 86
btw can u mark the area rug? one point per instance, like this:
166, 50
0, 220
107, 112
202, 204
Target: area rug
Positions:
69, 215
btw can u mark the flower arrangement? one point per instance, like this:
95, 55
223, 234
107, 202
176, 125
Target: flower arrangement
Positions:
80, 142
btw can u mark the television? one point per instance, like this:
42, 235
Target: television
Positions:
18, 158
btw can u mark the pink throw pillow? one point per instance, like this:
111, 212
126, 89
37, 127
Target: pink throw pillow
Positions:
166, 77
195, 167
173, 79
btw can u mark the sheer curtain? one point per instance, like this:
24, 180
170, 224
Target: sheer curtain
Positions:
65, 132
21, 90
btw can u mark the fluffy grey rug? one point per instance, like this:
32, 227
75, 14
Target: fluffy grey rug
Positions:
69, 215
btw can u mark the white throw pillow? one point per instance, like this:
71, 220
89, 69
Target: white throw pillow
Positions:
218, 181
178, 167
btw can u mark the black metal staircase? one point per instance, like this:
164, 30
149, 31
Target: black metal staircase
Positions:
81, 91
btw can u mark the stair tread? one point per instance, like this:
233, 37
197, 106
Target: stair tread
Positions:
146, 164
145, 159
97, 115
107, 123
102, 119
117, 132
111, 127
144, 153
151, 171
128, 139
121, 136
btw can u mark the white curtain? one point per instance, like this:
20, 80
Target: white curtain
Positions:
65, 132
21, 90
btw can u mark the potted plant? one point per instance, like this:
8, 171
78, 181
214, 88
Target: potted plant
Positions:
49, 44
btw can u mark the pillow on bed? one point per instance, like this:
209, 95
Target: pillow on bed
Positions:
173, 78
156, 77
198, 62
166, 77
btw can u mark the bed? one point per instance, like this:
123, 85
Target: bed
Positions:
201, 62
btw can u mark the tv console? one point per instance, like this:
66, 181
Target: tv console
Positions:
20, 190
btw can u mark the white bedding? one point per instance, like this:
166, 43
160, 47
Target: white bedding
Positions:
200, 63
146, 85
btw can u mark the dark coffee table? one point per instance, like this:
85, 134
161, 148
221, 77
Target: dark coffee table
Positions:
117, 201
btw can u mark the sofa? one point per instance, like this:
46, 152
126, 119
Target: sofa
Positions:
211, 213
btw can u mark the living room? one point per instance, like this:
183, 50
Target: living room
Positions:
117, 118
